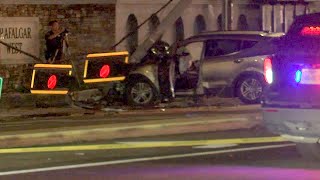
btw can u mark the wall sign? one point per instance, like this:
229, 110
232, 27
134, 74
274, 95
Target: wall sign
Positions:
21, 33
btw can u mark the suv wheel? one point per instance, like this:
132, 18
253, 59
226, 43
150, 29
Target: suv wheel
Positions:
309, 151
249, 89
140, 93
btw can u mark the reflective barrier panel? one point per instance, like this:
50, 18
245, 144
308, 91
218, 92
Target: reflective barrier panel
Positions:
51, 79
105, 67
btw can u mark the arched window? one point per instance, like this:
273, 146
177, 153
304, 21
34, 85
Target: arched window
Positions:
199, 25
132, 40
243, 23
153, 23
219, 23
179, 30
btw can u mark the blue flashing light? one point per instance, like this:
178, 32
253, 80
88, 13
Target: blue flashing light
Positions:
298, 76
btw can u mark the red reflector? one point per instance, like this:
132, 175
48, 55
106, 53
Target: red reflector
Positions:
313, 30
105, 71
52, 82
271, 110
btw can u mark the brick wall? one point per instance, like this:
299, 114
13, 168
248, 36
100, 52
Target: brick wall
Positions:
92, 28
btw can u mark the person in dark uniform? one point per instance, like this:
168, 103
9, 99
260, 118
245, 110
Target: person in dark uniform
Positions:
54, 42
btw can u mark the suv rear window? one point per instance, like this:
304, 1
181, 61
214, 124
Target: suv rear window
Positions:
248, 44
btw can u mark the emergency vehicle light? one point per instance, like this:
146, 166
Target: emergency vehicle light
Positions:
312, 30
298, 76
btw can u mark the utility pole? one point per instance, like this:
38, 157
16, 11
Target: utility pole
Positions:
225, 14
168, 21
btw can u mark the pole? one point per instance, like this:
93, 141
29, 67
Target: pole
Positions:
225, 14
174, 14
144, 22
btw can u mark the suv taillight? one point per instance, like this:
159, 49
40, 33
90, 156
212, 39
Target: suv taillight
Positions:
267, 66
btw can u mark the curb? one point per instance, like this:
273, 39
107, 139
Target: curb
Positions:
127, 130
76, 111
255, 108
16, 100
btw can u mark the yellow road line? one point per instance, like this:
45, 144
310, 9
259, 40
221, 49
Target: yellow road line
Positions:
132, 145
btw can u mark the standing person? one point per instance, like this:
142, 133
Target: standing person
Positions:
54, 42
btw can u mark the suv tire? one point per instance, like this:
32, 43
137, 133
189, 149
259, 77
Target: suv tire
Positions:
249, 89
140, 92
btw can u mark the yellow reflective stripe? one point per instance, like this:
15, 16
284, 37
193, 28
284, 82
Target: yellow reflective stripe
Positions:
85, 69
49, 92
62, 66
33, 76
70, 73
127, 60
108, 54
104, 80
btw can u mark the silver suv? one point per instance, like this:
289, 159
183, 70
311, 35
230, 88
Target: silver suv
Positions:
227, 63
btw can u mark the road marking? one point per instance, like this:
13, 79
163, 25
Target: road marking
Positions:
135, 145
142, 159
209, 142
214, 146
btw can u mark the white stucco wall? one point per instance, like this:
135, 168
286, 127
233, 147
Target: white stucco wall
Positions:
209, 9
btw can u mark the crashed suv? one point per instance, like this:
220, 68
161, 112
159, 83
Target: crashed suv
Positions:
224, 63
291, 101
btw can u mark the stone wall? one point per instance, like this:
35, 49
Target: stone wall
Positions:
92, 28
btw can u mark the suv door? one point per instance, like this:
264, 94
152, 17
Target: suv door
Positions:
188, 65
218, 63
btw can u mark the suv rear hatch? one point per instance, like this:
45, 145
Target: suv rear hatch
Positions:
296, 66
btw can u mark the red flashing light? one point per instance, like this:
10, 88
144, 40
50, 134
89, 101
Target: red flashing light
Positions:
105, 71
312, 30
315, 66
268, 74
52, 82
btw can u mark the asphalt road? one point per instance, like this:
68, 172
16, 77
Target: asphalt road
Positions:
181, 157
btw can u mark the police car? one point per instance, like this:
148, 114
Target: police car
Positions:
291, 102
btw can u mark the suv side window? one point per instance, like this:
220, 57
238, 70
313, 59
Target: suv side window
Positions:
219, 47
194, 50
248, 44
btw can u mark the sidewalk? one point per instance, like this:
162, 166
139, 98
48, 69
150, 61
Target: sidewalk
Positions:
13, 106
67, 111
116, 130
